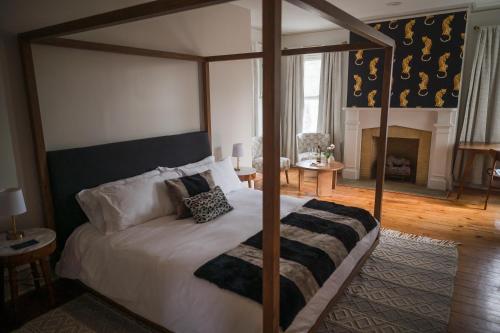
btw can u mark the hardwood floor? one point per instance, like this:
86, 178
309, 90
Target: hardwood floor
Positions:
476, 297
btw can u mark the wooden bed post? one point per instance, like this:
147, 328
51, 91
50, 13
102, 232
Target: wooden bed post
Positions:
271, 36
382, 147
37, 130
205, 116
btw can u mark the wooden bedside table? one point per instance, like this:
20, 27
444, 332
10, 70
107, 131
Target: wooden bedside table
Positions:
37, 253
247, 174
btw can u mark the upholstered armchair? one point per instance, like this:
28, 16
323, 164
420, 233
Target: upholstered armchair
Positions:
307, 142
257, 157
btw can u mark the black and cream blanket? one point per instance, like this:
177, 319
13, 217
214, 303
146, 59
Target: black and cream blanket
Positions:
315, 239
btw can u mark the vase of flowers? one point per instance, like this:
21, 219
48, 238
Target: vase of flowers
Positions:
329, 153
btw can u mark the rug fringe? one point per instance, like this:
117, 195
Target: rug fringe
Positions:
417, 238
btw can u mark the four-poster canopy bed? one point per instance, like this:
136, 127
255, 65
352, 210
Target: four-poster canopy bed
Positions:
271, 55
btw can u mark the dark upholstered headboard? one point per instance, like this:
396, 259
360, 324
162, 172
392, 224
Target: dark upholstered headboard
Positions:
72, 170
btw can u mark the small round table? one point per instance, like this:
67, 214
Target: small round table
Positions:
326, 174
247, 174
39, 252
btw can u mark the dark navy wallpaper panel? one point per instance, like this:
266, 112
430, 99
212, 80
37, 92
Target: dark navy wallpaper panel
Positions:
427, 64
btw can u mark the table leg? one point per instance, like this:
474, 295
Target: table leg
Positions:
317, 183
14, 289
36, 275
471, 155
301, 175
44, 264
334, 180
249, 183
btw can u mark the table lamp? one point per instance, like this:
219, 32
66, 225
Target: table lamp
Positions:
237, 152
12, 204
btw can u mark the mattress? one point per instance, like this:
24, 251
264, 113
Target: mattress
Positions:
149, 269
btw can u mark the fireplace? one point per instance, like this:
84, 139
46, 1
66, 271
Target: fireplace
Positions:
402, 158
406, 147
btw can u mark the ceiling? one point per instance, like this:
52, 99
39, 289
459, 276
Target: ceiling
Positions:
296, 20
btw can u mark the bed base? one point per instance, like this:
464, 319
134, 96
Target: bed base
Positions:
323, 314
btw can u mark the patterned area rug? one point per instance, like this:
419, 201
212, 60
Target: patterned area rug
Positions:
405, 286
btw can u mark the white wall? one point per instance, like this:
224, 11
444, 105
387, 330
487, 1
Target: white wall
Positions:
101, 97
88, 98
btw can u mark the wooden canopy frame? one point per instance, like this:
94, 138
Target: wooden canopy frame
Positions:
271, 54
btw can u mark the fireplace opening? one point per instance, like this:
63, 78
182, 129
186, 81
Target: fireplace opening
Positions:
402, 157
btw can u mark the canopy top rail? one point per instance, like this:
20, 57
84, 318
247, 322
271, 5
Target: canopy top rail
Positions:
166, 7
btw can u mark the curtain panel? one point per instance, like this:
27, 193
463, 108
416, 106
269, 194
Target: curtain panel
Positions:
479, 121
292, 104
330, 118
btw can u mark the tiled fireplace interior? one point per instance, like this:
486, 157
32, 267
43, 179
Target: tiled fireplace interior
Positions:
411, 144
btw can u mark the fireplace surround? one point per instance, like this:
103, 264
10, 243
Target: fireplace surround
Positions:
434, 128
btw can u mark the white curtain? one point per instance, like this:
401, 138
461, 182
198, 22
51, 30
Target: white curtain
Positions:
330, 99
480, 121
292, 104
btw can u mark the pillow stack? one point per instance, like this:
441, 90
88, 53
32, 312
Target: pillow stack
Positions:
118, 205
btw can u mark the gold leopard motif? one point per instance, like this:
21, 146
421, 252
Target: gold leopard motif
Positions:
409, 32
462, 35
359, 57
377, 26
429, 20
372, 76
403, 101
438, 99
405, 67
456, 85
357, 85
371, 98
426, 51
446, 28
393, 24
424, 82
443, 67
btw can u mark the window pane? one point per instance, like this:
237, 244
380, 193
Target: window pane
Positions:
312, 68
310, 117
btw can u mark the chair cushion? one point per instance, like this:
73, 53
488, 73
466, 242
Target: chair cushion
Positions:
284, 163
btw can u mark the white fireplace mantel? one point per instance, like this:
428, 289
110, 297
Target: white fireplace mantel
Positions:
440, 121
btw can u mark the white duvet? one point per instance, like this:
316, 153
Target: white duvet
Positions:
149, 269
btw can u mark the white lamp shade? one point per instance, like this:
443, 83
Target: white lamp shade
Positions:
12, 202
238, 150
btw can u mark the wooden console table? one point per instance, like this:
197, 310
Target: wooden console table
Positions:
469, 151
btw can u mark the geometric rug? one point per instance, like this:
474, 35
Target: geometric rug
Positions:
405, 286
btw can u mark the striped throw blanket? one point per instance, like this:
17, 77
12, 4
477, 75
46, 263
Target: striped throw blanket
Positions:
315, 239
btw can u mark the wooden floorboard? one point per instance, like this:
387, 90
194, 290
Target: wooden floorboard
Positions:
476, 297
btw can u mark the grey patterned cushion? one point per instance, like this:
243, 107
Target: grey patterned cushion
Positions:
207, 206
186, 187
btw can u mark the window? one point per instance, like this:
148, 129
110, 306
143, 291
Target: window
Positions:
312, 71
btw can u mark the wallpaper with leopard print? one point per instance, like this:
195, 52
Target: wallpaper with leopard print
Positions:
427, 63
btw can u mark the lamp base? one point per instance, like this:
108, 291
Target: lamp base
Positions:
11, 235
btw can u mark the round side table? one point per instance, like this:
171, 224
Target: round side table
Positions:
247, 174
326, 175
35, 254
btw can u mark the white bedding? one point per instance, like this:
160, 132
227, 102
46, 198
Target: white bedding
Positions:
149, 269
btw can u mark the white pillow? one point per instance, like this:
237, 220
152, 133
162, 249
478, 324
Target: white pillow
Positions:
197, 167
224, 175
222, 172
90, 205
132, 203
